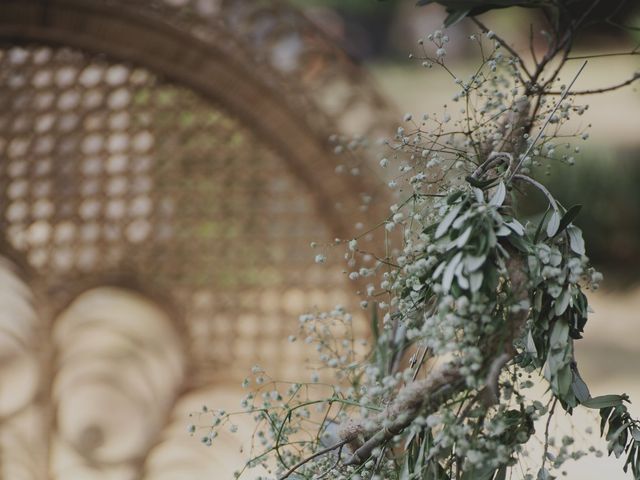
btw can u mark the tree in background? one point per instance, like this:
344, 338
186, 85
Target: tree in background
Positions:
471, 301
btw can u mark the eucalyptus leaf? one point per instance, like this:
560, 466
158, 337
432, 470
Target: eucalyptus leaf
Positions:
503, 231
554, 224
448, 219
475, 281
531, 345
580, 389
536, 237
473, 263
562, 302
449, 271
462, 280
499, 195
438, 271
559, 334
565, 378
576, 242
603, 401
569, 217
460, 221
519, 243
516, 226
462, 240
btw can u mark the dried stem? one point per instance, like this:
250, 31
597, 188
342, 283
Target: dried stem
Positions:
317, 454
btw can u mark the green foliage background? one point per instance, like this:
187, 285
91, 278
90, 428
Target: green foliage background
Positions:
607, 183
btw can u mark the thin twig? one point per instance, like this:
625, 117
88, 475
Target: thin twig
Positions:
539, 186
635, 51
330, 469
555, 109
324, 451
635, 77
506, 46
531, 45
546, 432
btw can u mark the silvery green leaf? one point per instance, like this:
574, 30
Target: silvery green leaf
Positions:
498, 197
503, 231
439, 270
576, 242
478, 194
462, 240
475, 281
473, 263
570, 216
462, 280
603, 401
461, 219
516, 226
554, 224
448, 220
564, 380
546, 369
580, 389
531, 345
449, 271
559, 334
562, 302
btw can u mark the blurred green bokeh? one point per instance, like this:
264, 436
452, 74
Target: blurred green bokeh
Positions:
607, 183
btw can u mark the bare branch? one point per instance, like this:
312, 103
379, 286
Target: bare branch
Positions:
319, 453
540, 187
618, 86
635, 51
506, 46
555, 109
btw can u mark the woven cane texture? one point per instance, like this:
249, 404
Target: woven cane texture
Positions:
163, 169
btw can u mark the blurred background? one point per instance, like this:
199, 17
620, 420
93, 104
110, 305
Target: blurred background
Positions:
164, 167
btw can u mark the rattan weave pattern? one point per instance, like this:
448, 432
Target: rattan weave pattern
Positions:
175, 150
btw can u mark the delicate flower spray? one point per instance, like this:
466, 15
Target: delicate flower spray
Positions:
471, 303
